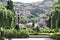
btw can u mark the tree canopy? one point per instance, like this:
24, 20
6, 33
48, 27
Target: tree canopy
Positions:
55, 16
6, 17
10, 5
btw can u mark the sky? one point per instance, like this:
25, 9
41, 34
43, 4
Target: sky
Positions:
26, 1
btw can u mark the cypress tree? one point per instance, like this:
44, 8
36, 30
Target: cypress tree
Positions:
6, 18
55, 16
10, 5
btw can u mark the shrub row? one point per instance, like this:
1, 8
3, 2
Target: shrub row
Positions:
15, 33
23, 33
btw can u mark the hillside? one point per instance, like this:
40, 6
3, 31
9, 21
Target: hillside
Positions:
33, 11
35, 8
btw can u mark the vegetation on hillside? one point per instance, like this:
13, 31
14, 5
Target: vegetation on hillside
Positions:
9, 29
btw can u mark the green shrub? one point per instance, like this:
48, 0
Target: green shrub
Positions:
55, 36
29, 30
46, 30
17, 27
6, 18
24, 33
37, 29
15, 33
43, 30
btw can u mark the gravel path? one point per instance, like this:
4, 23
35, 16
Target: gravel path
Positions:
31, 39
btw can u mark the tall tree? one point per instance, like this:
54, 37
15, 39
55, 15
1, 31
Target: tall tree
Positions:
55, 16
6, 18
10, 5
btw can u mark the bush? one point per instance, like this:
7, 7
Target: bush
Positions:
55, 36
46, 30
30, 31
15, 33
37, 29
6, 18
24, 33
17, 27
24, 19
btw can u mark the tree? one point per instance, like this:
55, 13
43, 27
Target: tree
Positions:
10, 5
55, 16
37, 29
17, 27
6, 18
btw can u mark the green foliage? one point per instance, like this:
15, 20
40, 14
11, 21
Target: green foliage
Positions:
46, 30
6, 18
10, 5
2, 7
55, 17
9, 33
55, 36
23, 33
17, 27
35, 19
29, 30
36, 29
24, 19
